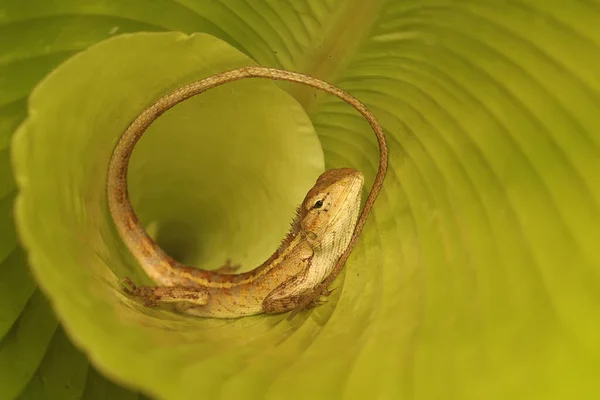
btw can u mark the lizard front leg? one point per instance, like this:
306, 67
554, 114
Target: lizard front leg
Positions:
294, 292
286, 297
152, 295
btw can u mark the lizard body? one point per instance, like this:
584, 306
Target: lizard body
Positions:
319, 234
322, 235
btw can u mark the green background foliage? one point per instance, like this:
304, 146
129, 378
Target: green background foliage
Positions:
476, 276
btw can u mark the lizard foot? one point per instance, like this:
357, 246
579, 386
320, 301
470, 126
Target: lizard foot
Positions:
319, 299
144, 293
228, 268
152, 295
311, 300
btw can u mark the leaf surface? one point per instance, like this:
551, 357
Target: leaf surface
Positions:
477, 275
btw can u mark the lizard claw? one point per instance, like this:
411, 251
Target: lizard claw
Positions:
228, 268
327, 292
319, 298
316, 302
131, 289
128, 286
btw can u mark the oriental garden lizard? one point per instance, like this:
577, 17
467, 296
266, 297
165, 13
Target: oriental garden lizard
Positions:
323, 233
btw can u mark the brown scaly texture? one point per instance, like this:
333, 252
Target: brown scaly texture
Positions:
127, 223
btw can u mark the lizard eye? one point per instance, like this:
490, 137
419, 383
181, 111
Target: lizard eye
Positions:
318, 204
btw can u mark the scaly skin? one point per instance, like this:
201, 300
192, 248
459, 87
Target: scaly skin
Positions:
321, 238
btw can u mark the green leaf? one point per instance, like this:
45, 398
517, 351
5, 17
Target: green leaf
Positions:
61, 374
23, 347
476, 277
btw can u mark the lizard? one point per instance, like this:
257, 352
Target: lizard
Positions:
322, 235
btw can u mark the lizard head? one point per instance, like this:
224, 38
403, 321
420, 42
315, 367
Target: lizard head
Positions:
330, 209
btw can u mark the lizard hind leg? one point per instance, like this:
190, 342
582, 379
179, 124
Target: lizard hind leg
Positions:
151, 296
228, 268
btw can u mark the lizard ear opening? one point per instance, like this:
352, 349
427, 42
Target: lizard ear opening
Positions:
318, 204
